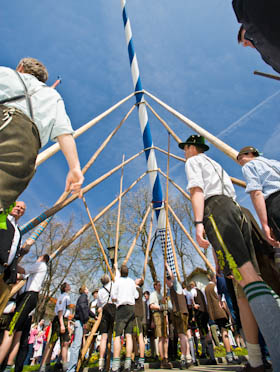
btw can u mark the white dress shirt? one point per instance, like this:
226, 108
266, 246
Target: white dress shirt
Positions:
48, 107
208, 175
125, 292
37, 273
15, 242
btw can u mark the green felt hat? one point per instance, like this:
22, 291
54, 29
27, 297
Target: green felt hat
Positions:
195, 140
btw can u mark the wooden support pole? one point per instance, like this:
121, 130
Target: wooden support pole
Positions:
98, 240
56, 208
118, 219
207, 262
30, 241
166, 126
148, 245
88, 341
234, 180
270, 76
228, 150
50, 151
137, 235
65, 245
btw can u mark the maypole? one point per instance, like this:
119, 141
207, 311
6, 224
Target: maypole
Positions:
157, 201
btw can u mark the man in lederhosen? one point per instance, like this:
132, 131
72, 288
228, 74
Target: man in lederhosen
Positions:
60, 330
138, 329
215, 210
179, 316
201, 318
31, 113
106, 305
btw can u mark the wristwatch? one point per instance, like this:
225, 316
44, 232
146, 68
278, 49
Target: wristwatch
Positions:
197, 222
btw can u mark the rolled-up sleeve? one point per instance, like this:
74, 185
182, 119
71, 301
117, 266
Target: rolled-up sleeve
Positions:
252, 178
194, 174
62, 123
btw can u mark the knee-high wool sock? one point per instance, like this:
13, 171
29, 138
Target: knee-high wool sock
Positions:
267, 314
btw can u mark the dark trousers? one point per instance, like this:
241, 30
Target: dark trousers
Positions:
229, 233
273, 213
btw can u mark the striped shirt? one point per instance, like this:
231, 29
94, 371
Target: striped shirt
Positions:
262, 174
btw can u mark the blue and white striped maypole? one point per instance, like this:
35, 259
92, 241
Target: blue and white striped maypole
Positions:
148, 142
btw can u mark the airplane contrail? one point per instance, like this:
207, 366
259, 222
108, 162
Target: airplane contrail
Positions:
237, 123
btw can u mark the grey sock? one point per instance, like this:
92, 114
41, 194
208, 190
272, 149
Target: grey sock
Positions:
203, 344
127, 363
210, 349
267, 313
191, 343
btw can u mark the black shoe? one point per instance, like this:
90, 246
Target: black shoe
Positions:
267, 364
102, 369
211, 362
138, 368
233, 360
183, 364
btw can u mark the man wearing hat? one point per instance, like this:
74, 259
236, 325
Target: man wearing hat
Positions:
215, 210
262, 176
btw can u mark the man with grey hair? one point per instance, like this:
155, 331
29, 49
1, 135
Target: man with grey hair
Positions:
31, 113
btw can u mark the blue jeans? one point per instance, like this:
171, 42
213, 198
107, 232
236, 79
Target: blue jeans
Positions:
75, 347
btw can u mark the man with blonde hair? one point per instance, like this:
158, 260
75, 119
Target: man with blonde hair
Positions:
31, 113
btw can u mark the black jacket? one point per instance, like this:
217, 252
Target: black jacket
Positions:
262, 14
6, 239
82, 311
260, 19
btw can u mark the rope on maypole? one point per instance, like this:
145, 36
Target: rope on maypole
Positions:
158, 204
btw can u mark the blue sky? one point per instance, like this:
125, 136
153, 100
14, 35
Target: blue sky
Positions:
188, 57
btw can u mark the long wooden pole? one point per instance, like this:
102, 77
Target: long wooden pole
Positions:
98, 239
56, 208
148, 245
65, 245
270, 76
163, 122
31, 240
88, 341
118, 219
137, 235
228, 150
235, 181
207, 262
45, 155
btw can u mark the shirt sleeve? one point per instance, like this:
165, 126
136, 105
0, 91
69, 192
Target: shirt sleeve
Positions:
136, 293
194, 173
36, 267
62, 123
252, 178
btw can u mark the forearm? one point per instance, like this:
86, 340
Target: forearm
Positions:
197, 198
260, 207
69, 149
60, 318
